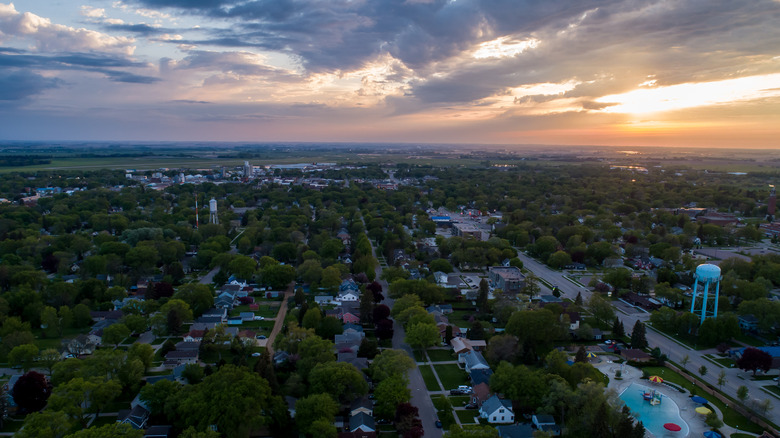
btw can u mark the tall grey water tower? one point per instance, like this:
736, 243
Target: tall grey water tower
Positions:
213, 219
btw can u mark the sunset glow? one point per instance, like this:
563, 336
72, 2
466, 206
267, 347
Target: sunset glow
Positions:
415, 71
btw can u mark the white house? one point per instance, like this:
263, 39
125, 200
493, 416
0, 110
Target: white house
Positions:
496, 410
348, 296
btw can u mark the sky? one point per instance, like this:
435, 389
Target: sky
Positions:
703, 73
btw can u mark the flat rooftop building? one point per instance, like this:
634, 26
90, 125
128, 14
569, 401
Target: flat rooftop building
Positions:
508, 278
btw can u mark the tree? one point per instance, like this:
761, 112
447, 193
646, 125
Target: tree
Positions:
702, 370
407, 421
391, 363
721, 379
113, 430
46, 424
712, 420
312, 318
638, 336
753, 359
160, 397
482, 297
31, 392
405, 302
441, 265
601, 309
502, 348
79, 397
578, 299
50, 322
23, 356
581, 356
311, 409
312, 351
390, 392
531, 285
278, 276
368, 348
380, 312
341, 380
234, 399
81, 316
331, 278
136, 323
329, 327
684, 361
742, 393
422, 335
198, 296
618, 331
367, 307
115, 333
559, 259
48, 358
193, 373
242, 267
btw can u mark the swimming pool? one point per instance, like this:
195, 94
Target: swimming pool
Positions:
654, 417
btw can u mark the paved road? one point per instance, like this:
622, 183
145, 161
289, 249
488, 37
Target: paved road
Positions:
674, 350
279, 321
420, 398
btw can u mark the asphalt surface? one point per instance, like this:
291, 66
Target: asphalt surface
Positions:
420, 398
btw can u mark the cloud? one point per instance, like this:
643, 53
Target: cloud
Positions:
20, 84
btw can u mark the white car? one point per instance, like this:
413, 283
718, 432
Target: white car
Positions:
259, 318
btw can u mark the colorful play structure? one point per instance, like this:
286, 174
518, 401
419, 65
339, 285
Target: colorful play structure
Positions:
651, 396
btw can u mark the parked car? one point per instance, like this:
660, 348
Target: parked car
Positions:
261, 337
456, 392
259, 318
471, 406
438, 424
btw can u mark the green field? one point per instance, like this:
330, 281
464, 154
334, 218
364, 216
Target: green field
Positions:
441, 355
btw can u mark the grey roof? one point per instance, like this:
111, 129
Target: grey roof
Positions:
516, 431
361, 419
362, 402
158, 432
474, 358
480, 376
494, 403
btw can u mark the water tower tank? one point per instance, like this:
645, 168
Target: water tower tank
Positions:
213, 207
708, 272
705, 302
213, 211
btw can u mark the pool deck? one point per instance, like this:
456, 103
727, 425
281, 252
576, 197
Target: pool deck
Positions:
634, 375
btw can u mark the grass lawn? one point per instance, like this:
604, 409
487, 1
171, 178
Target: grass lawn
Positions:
467, 416
256, 324
730, 417
459, 400
430, 381
451, 376
440, 402
459, 317
749, 340
418, 355
441, 355
725, 361
773, 388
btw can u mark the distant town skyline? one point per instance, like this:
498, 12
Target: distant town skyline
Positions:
564, 72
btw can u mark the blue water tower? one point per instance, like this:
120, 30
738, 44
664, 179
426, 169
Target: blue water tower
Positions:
706, 302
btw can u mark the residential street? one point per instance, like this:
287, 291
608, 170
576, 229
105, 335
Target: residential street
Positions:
674, 350
420, 398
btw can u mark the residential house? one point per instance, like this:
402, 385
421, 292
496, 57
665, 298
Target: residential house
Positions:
136, 417
234, 320
158, 432
574, 319
496, 410
478, 376
441, 278
350, 356
102, 315
362, 404
480, 393
473, 360
350, 317
361, 422
188, 345
281, 357
748, 323
194, 336
443, 330
355, 327
323, 300
247, 316
463, 345
357, 434
546, 423
445, 309
179, 357
516, 431
350, 296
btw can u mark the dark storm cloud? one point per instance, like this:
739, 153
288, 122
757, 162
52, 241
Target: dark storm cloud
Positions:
20, 84
108, 65
140, 29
